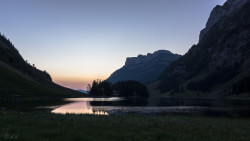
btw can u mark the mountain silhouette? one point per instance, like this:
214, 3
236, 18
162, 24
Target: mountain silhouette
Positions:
144, 68
219, 65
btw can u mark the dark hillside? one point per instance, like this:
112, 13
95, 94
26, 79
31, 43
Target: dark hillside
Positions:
10, 55
20, 79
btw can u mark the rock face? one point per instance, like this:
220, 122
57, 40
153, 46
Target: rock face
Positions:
228, 9
221, 58
144, 68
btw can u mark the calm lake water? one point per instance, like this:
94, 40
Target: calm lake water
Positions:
158, 106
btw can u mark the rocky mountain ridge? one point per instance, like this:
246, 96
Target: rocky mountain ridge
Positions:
229, 8
145, 58
219, 64
144, 68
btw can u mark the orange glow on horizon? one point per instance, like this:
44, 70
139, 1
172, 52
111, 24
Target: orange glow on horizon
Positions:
76, 82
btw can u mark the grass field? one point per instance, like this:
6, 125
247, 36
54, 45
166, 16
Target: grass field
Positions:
49, 127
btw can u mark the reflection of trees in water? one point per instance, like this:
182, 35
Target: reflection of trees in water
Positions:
128, 102
88, 105
137, 102
212, 107
171, 102
100, 112
96, 111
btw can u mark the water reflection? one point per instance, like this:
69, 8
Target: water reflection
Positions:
95, 99
163, 105
82, 107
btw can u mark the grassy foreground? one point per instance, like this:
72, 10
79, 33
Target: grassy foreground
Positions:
49, 127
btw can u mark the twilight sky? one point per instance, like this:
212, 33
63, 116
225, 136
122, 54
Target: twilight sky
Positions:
77, 41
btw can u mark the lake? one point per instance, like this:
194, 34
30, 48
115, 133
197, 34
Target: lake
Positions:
156, 105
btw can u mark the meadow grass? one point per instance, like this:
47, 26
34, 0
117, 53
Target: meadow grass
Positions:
50, 127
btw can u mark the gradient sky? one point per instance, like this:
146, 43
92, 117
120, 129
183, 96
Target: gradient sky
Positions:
77, 41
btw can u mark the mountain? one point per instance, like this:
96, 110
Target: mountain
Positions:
82, 91
144, 68
219, 65
20, 79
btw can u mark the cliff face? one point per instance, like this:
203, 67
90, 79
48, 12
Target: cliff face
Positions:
229, 21
167, 55
230, 8
144, 68
220, 59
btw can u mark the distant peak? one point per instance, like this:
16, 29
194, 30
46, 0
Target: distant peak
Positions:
144, 68
162, 51
144, 58
156, 53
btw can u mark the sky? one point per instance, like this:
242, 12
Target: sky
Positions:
77, 41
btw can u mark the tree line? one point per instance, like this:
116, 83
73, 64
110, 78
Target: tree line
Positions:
129, 88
